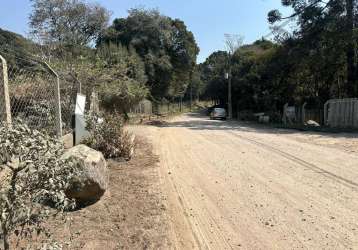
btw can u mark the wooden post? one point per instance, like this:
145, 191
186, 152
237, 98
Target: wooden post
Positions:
5, 99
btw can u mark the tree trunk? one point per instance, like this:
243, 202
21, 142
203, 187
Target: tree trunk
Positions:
351, 77
6, 240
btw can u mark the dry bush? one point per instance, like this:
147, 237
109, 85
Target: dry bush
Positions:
35, 180
109, 137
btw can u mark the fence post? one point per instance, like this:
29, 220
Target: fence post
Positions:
5, 99
325, 113
284, 117
57, 101
94, 103
79, 90
303, 116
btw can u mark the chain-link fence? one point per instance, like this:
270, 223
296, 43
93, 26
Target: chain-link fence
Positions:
30, 93
167, 108
143, 107
69, 87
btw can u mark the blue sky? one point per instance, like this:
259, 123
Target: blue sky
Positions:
209, 20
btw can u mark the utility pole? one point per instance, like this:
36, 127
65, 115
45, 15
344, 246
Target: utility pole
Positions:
229, 92
233, 43
191, 89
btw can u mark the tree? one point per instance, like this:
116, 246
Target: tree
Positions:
212, 74
321, 20
196, 87
167, 48
233, 43
119, 77
265, 76
67, 22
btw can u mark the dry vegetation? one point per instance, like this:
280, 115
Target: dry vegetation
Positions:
131, 215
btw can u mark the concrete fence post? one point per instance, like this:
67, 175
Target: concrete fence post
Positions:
57, 101
325, 113
284, 115
303, 116
5, 98
94, 104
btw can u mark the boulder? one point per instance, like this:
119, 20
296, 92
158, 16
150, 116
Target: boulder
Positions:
91, 180
312, 123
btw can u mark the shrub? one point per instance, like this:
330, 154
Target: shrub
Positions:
109, 137
35, 177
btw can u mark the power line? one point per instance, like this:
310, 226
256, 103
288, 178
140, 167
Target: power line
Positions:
284, 24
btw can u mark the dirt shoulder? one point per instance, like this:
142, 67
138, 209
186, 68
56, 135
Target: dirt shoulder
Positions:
132, 215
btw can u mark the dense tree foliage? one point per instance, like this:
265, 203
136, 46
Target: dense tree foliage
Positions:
324, 27
67, 22
212, 74
167, 48
315, 62
143, 55
148, 53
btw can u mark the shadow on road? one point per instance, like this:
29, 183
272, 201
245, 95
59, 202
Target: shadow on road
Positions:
200, 121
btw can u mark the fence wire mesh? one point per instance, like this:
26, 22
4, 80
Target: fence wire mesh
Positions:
31, 88
32, 96
167, 108
69, 87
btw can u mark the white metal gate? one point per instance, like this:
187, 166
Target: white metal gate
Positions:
341, 113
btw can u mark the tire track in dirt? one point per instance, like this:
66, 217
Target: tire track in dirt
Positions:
203, 224
181, 232
252, 242
316, 169
228, 147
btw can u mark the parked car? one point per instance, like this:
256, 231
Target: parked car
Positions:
218, 113
211, 109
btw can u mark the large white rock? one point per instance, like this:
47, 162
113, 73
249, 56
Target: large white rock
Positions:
91, 180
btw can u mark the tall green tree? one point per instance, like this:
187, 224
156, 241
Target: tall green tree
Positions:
118, 74
322, 22
167, 48
212, 74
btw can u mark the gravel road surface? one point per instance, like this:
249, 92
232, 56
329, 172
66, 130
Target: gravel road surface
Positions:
231, 185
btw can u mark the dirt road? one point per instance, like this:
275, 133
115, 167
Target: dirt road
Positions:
232, 186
